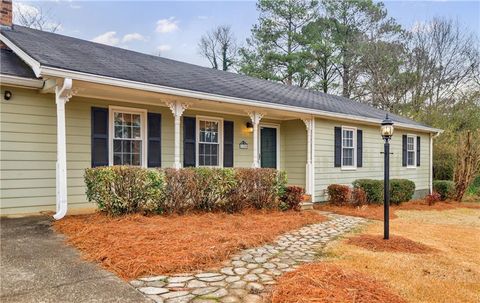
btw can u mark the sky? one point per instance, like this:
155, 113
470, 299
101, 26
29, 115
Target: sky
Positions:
172, 29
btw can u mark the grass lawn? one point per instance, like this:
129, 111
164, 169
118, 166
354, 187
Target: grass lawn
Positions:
133, 246
448, 272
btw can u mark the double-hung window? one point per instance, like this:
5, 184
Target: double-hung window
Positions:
348, 147
411, 151
209, 141
128, 137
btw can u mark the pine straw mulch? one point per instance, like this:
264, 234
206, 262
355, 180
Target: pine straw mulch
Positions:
134, 245
375, 212
394, 244
323, 282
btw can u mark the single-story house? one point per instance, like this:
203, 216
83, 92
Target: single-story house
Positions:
69, 104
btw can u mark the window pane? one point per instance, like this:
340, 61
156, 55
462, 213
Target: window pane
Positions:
117, 146
136, 132
117, 159
347, 157
136, 120
410, 158
136, 146
136, 159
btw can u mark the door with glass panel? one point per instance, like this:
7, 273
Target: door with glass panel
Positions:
268, 147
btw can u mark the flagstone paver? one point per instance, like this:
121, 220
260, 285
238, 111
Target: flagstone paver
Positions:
248, 273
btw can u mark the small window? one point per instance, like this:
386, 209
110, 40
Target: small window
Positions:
128, 139
209, 137
348, 147
411, 152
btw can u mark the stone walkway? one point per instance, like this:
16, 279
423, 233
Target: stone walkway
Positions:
248, 273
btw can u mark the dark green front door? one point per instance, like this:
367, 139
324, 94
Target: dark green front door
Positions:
268, 147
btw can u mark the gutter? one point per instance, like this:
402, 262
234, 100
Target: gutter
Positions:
20, 81
81, 76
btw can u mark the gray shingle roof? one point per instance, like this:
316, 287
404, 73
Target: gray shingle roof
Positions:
73, 54
12, 65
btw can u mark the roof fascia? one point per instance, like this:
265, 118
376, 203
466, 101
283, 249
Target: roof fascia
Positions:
20, 81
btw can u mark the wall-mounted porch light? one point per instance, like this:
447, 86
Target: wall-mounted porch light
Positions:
249, 126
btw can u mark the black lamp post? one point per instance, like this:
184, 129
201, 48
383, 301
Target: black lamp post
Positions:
387, 132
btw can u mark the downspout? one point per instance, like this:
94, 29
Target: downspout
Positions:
62, 95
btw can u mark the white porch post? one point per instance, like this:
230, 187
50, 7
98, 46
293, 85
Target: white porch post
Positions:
431, 166
177, 109
255, 117
62, 95
309, 166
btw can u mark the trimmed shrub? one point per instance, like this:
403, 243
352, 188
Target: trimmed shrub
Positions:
359, 197
123, 189
373, 189
126, 189
401, 190
432, 198
292, 198
339, 194
445, 188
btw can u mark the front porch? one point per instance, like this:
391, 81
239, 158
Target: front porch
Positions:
190, 132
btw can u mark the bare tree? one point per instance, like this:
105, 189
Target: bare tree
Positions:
444, 59
219, 47
35, 17
468, 162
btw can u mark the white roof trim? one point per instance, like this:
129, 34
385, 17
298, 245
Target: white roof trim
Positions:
20, 81
75, 75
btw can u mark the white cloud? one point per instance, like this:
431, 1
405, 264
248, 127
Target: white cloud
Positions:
133, 37
108, 38
164, 47
202, 17
75, 6
167, 25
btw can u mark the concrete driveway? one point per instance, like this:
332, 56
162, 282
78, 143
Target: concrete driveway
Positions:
36, 266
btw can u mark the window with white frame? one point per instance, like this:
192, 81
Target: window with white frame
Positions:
128, 139
209, 142
411, 152
348, 147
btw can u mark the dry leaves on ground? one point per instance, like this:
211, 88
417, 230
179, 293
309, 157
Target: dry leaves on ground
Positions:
394, 244
323, 282
136, 245
375, 212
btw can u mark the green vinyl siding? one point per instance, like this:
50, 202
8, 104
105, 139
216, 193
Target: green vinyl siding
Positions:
28, 147
326, 173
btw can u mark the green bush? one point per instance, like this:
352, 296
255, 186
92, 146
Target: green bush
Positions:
445, 188
401, 190
373, 189
125, 189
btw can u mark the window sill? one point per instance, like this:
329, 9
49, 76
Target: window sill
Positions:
411, 167
348, 168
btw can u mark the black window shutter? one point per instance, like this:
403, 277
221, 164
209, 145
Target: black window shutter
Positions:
99, 136
189, 157
418, 150
404, 150
359, 148
228, 143
338, 146
154, 156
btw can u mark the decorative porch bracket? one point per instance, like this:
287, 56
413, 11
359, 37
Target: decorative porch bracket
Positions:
177, 109
309, 166
255, 117
62, 95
